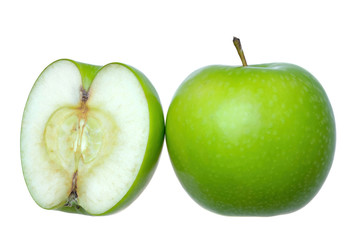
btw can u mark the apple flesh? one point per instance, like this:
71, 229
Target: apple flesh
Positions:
253, 140
91, 137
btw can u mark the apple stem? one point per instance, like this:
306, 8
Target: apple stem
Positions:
84, 95
240, 51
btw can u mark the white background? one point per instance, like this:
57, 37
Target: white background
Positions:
167, 40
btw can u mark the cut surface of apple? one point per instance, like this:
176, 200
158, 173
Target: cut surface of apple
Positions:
91, 136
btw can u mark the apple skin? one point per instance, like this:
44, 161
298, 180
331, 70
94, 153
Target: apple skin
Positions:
251, 141
155, 141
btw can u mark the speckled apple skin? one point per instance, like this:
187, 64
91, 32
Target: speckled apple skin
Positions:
251, 141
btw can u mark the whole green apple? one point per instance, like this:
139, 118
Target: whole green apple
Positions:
253, 140
91, 137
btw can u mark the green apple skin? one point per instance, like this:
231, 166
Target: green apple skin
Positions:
251, 141
155, 141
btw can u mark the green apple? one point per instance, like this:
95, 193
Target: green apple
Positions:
253, 140
91, 137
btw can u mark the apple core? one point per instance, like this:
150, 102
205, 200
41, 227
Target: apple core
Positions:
74, 135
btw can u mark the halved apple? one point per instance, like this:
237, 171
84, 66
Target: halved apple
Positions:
91, 137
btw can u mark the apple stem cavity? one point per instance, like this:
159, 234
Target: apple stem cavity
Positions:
240, 51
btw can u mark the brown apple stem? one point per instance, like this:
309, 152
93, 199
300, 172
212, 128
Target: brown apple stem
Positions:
240, 51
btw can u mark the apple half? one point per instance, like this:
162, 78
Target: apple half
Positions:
91, 137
